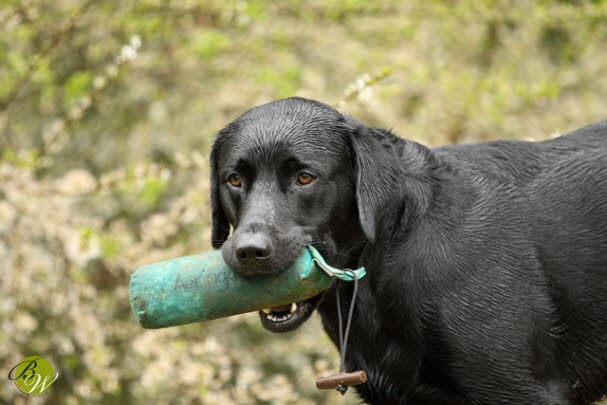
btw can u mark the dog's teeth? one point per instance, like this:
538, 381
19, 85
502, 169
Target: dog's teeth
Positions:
293, 307
281, 316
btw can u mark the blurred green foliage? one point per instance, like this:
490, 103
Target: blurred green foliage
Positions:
107, 112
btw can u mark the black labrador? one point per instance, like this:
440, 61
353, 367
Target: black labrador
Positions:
487, 263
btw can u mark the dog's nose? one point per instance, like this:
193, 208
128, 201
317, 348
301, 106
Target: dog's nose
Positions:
253, 249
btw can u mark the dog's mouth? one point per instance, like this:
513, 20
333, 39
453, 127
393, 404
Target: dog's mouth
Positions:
288, 317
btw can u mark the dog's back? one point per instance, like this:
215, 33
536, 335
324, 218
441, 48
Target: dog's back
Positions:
557, 191
519, 162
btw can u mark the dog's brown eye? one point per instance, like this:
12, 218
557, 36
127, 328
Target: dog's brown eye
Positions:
234, 180
305, 178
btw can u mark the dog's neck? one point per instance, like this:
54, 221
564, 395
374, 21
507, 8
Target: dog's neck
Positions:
409, 207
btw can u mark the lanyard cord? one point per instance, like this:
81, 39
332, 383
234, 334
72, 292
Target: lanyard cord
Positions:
343, 335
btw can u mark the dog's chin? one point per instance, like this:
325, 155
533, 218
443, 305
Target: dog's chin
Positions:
289, 317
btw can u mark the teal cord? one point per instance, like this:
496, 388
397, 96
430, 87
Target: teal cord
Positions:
346, 275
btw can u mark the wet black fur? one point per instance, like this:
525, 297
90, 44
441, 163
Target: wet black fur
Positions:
487, 263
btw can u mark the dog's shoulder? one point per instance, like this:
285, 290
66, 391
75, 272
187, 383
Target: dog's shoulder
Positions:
517, 161
507, 161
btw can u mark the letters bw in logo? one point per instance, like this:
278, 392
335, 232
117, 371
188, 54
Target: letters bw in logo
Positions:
33, 375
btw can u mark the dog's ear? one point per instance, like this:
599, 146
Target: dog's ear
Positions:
374, 177
220, 227
388, 173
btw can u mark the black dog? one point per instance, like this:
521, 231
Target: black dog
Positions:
487, 263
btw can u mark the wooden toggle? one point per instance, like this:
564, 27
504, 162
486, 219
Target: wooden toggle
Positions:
343, 379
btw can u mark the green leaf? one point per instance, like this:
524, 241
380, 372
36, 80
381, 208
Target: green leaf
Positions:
76, 86
110, 247
209, 43
17, 62
284, 82
152, 190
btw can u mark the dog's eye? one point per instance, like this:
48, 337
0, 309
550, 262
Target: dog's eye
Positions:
234, 180
304, 178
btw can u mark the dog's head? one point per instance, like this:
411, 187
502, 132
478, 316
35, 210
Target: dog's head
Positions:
291, 173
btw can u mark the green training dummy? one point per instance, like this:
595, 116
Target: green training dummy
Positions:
202, 287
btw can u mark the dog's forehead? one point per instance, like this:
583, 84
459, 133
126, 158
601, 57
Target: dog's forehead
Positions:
275, 133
